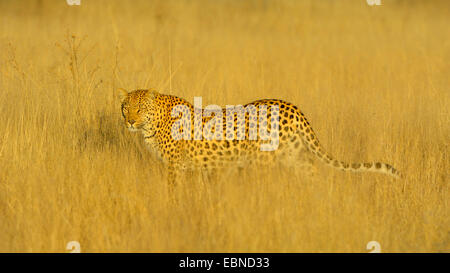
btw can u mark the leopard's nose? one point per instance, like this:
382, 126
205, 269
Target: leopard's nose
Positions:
131, 121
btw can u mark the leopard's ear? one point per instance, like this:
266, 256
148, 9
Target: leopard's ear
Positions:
152, 93
122, 93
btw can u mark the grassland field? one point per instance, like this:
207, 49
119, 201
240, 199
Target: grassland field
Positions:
372, 80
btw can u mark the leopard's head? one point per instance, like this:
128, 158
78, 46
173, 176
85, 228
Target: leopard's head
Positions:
136, 108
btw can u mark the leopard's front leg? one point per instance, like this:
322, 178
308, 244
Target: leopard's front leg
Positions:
173, 158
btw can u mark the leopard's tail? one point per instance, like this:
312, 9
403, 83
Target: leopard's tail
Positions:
311, 142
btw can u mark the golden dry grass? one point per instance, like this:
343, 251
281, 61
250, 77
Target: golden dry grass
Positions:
373, 81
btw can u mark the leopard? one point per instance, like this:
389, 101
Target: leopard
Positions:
182, 142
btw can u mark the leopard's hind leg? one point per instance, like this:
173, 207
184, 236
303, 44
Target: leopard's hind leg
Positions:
300, 159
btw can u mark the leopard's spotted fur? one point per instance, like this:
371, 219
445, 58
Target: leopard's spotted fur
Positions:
150, 112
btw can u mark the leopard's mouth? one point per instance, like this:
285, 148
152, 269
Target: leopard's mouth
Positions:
133, 129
